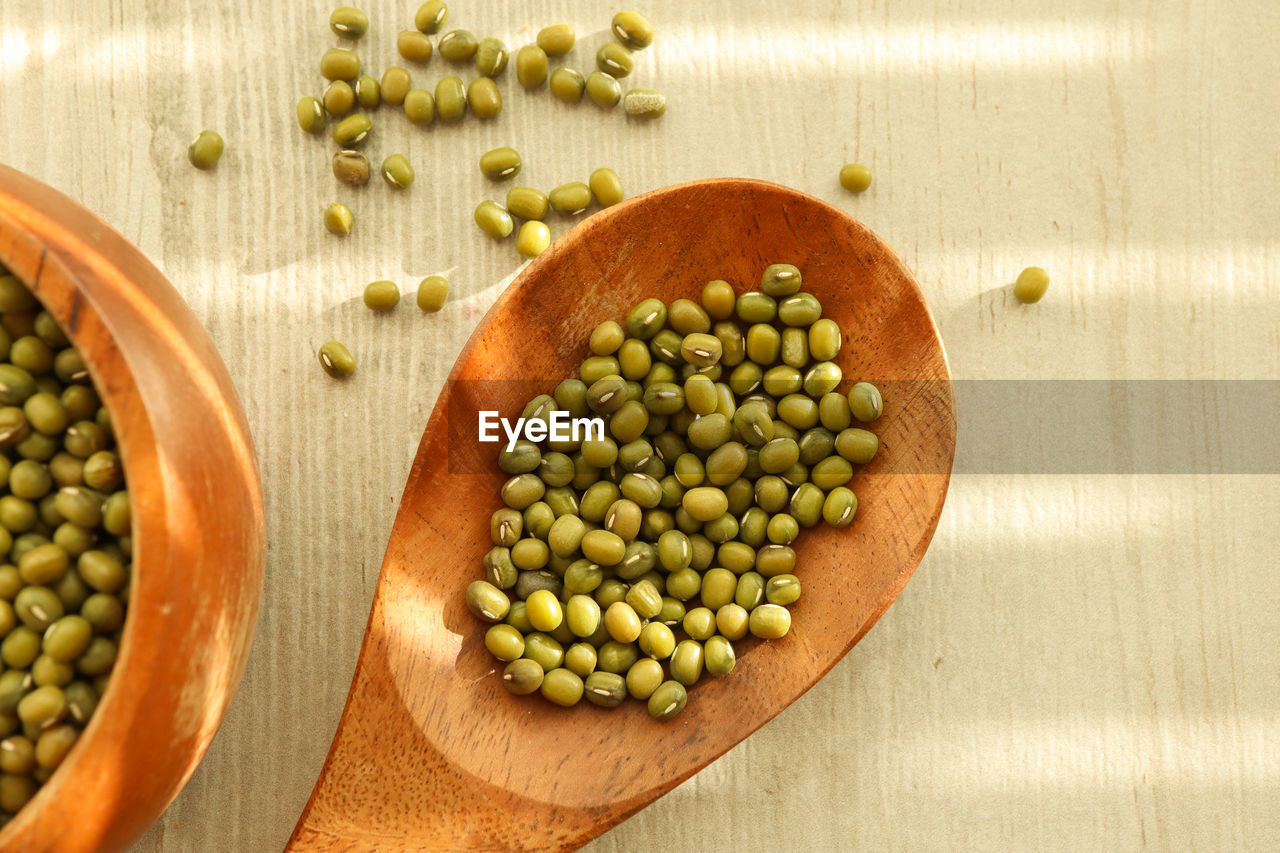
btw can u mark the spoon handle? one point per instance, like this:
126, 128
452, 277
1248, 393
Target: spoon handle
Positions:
387, 787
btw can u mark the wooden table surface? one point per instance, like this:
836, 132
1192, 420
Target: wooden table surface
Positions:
1085, 660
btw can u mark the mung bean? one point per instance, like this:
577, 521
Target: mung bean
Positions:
336, 360
205, 150
644, 103
432, 293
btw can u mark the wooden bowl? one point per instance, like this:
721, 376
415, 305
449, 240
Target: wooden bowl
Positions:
431, 752
198, 544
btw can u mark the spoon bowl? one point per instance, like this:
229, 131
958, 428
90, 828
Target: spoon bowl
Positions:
432, 753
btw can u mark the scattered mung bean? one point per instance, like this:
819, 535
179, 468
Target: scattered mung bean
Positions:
499, 164
644, 103
414, 46
381, 295
338, 219
431, 16
484, 98
352, 130
557, 39
493, 219
351, 167
491, 56
368, 92
1031, 285
338, 98
606, 187
614, 59
348, 22
311, 114
397, 171
571, 198
420, 107
451, 99
603, 90
396, 83
458, 45
531, 66
632, 29
855, 177
527, 202
533, 239
205, 150
339, 63
567, 84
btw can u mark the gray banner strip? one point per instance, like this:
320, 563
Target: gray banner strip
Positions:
1118, 427
1011, 427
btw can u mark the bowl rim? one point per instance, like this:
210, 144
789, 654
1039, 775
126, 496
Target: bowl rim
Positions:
198, 527
80, 321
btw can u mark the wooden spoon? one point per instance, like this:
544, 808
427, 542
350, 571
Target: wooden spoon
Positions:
198, 539
431, 752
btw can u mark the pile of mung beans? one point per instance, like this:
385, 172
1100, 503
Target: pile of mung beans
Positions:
351, 95
65, 546
630, 564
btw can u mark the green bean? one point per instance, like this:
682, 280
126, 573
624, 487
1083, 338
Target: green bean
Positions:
420, 107
351, 167
451, 99
606, 187
568, 84
381, 295
431, 16
644, 103
484, 98
414, 46
338, 63
570, 199
668, 700
491, 57
527, 202
531, 66
348, 22
338, 98
493, 219
557, 39
1031, 285
632, 29
338, 219
458, 45
395, 86
205, 150
336, 360
311, 114
865, 402
533, 239
614, 59
352, 130
432, 293
499, 164
603, 90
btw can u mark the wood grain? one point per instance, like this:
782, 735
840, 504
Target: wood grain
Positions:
431, 752
1080, 662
